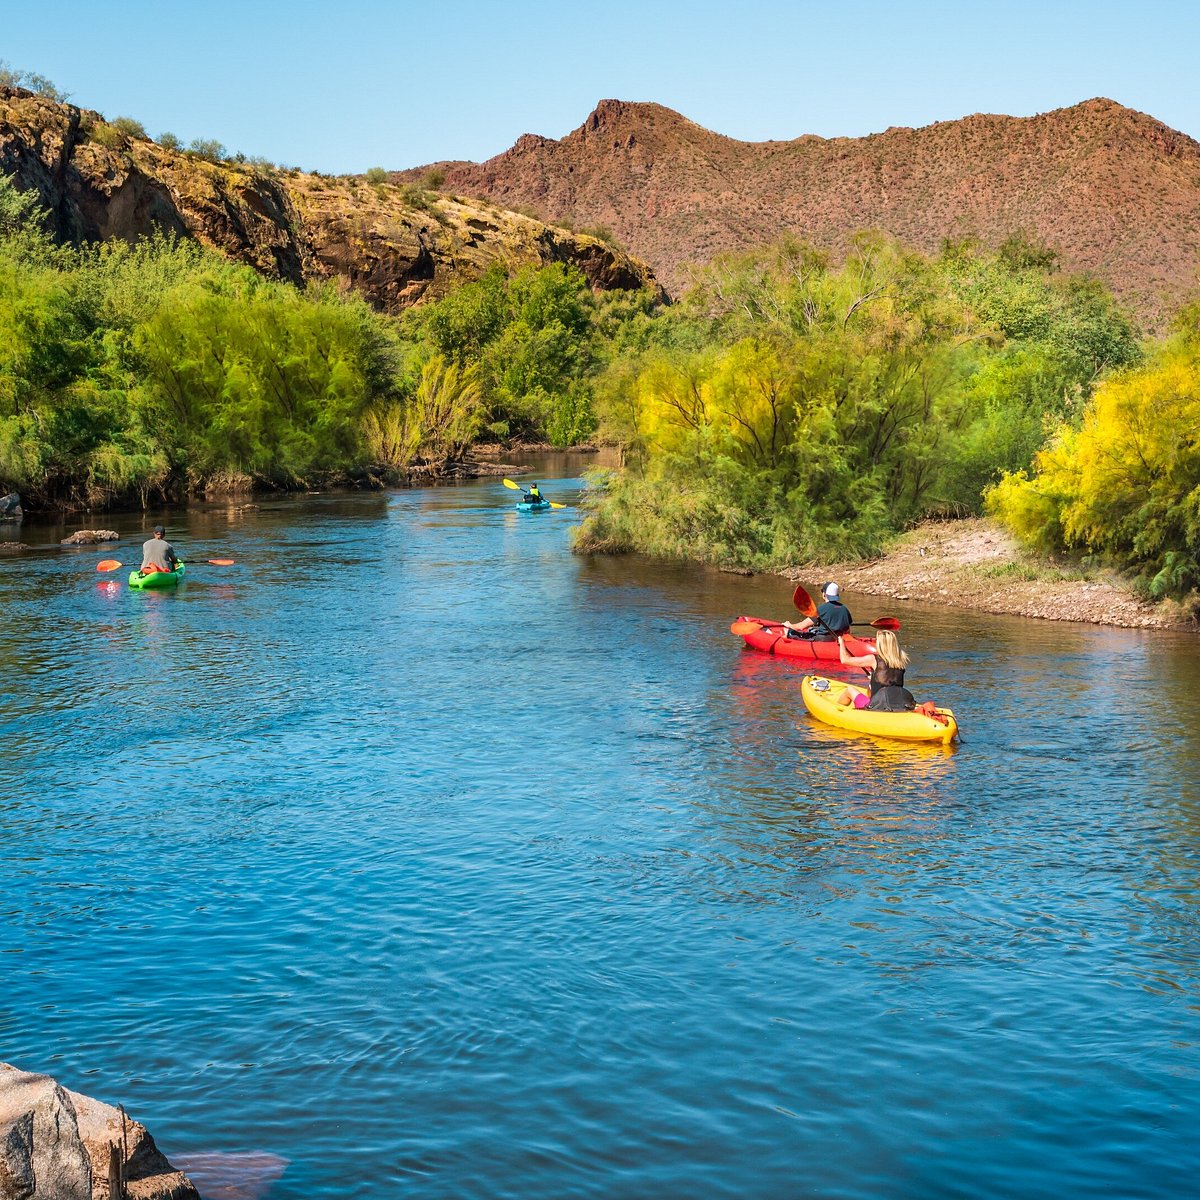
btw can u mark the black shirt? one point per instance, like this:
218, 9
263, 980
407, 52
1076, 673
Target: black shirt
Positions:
833, 616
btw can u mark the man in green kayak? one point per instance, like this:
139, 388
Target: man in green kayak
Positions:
158, 554
832, 619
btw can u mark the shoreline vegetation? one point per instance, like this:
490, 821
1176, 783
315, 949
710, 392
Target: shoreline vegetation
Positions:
786, 409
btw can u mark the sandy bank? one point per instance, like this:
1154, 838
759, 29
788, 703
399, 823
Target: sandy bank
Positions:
975, 564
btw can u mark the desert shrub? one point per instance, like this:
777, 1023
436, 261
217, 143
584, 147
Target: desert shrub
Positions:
106, 134
31, 81
129, 127
416, 197
168, 141
602, 233
208, 149
376, 176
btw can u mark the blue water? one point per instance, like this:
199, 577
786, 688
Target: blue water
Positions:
442, 863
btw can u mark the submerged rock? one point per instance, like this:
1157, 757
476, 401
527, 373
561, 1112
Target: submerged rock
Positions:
244, 1176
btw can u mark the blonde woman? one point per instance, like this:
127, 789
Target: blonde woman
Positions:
885, 669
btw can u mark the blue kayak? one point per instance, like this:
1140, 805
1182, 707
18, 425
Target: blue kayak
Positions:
539, 506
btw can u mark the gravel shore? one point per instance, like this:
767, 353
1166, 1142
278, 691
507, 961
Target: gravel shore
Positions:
975, 564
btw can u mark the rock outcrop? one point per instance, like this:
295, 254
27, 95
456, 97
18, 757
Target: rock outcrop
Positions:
396, 243
1115, 192
42, 1156
58, 1145
90, 537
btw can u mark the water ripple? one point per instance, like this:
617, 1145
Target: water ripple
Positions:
489, 871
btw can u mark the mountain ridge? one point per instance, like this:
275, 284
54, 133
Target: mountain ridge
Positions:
1115, 192
395, 245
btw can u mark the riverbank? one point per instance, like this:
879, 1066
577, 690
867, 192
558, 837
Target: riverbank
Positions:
484, 461
975, 564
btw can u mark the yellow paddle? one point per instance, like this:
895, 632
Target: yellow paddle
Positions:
516, 487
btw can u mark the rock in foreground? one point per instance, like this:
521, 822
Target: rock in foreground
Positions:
58, 1145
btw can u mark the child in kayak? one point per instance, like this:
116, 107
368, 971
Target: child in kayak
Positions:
885, 669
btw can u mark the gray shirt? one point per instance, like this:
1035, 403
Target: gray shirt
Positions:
158, 552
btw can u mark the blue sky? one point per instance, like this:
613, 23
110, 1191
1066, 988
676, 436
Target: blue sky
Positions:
346, 86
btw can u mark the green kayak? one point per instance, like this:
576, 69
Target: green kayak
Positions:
156, 579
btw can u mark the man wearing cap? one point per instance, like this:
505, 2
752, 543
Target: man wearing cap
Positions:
158, 554
832, 619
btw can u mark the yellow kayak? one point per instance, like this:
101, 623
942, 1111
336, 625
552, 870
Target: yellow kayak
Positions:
820, 698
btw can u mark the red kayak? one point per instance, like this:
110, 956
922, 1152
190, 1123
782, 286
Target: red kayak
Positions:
768, 638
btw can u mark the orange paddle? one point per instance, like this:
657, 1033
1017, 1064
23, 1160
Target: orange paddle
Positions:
111, 564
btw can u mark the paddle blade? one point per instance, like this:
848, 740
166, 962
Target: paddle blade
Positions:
886, 623
516, 487
741, 628
555, 504
109, 564
220, 562
804, 602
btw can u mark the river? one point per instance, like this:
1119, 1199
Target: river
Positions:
442, 863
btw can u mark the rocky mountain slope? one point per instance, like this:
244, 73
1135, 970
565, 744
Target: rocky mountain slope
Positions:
1114, 191
395, 243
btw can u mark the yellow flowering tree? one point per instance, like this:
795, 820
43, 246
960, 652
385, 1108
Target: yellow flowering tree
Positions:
1126, 483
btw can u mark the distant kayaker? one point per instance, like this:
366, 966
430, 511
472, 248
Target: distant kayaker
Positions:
832, 619
885, 669
533, 496
158, 554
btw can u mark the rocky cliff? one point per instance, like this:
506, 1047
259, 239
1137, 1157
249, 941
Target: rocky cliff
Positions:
395, 243
1114, 191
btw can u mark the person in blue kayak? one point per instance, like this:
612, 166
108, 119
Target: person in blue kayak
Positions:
832, 619
158, 554
534, 495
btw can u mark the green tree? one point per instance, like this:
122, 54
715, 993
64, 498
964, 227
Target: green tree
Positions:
1125, 483
795, 409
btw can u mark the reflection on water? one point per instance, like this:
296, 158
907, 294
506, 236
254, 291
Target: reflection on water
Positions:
422, 855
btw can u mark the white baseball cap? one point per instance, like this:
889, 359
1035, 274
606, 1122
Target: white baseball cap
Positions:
831, 591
